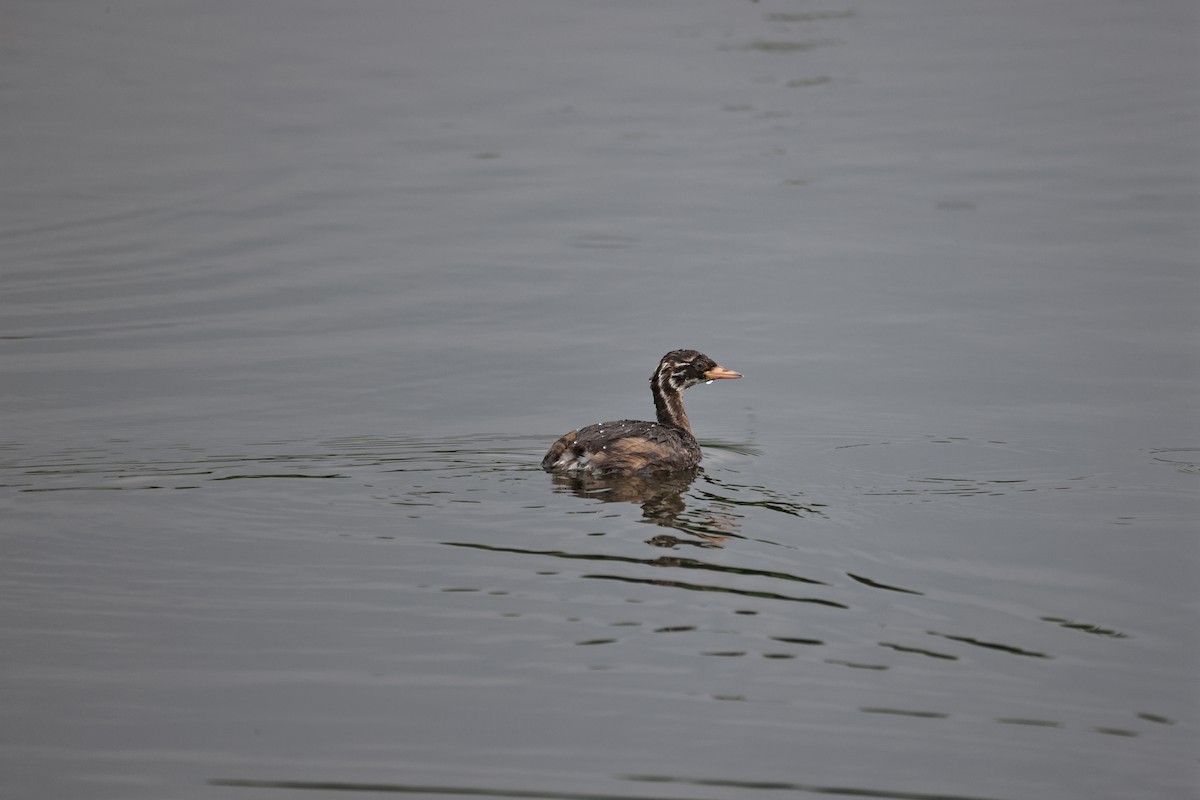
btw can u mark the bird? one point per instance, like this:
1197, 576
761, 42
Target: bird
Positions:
637, 447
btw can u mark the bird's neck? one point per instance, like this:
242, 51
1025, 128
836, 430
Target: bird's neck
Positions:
668, 404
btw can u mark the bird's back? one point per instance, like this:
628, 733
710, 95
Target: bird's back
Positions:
627, 446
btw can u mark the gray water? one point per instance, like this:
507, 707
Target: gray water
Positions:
295, 295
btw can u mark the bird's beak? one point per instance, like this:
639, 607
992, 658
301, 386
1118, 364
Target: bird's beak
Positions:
717, 373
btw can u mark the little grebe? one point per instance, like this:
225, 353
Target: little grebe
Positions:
633, 447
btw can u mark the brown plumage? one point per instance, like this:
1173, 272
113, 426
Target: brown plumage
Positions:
634, 447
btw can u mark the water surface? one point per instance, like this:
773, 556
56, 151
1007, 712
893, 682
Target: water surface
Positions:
295, 298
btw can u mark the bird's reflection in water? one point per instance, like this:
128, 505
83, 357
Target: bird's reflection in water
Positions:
661, 497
